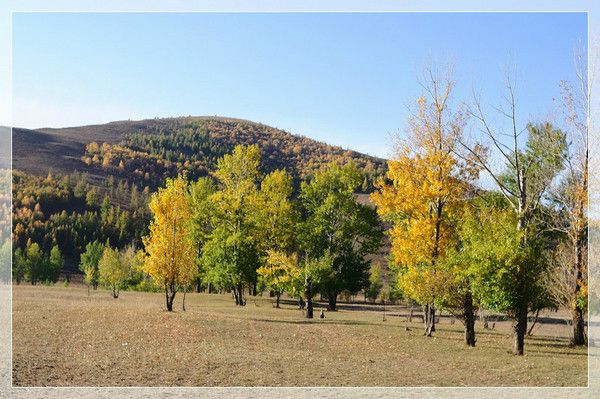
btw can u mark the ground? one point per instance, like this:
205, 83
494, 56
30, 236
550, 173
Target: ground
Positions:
63, 337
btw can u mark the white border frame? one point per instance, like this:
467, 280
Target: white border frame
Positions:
290, 6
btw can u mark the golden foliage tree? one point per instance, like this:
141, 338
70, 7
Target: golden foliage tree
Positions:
425, 188
278, 272
112, 270
170, 252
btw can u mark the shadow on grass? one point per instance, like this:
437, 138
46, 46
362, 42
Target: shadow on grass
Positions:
317, 321
567, 351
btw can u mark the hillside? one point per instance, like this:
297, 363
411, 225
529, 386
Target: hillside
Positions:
147, 151
76, 185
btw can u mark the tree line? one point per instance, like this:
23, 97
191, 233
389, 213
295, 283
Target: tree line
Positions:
231, 231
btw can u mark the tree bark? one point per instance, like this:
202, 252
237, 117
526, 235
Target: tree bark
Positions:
332, 301
579, 337
519, 330
240, 295
169, 303
277, 295
429, 319
183, 303
170, 297
469, 320
309, 303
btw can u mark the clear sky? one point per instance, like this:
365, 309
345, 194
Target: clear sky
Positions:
344, 78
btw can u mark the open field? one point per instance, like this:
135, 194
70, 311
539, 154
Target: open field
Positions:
62, 337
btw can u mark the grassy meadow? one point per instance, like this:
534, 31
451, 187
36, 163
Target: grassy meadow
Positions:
63, 337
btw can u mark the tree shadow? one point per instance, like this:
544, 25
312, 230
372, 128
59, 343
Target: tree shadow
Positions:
317, 321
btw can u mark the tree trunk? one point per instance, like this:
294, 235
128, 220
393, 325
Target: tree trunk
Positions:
309, 303
429, 318
235, 296
519, 330
332, 301
168, 302
579, 337
277, 295
183, 303
469, 320
240, 295
170, 297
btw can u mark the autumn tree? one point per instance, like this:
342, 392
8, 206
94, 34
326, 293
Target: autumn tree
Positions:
277, 215
424, 191
231, 254
530, 167
338, 225
276, 212
170, 254
278, 273
112, 270
35, 263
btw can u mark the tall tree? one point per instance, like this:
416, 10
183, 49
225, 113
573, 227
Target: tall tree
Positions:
425, 189
530, 168
230, 256
170, 257
277, 215
568, 277
337, 224
202, 216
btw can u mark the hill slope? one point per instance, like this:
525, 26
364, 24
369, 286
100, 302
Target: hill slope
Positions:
157, 148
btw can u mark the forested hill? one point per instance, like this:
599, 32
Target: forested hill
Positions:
145, 152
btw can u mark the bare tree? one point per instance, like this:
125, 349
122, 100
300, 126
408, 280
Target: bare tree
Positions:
568, 280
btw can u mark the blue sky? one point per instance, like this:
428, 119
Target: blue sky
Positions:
344, 78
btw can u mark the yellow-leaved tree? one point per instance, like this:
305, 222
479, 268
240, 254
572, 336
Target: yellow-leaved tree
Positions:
278, 272
423, 191
170, 257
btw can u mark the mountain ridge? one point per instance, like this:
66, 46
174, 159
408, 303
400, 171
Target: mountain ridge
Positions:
176, 139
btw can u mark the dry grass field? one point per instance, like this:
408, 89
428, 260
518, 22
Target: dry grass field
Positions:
62, 337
